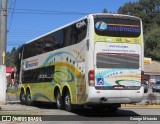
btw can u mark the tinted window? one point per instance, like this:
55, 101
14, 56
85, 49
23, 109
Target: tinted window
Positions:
117, 27
117, 61
44, 74
67, 36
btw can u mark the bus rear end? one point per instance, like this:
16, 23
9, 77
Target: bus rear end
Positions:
118, 60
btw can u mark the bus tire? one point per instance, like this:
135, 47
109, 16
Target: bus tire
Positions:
59, 103
67, 102
22, 97
28, 98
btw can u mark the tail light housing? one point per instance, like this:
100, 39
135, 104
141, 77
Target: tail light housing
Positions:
142, 76
91, 78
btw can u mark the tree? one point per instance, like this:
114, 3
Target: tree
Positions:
152, 43
10, 57
7, 58
105, 10
149, 12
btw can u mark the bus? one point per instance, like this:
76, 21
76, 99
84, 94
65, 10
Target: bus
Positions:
95, 61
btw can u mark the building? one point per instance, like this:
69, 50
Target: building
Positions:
9, 76
152, 71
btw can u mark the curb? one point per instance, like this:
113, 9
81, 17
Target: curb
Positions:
139, 106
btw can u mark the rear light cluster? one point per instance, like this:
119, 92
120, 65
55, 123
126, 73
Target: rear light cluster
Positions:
142, 76
91, 78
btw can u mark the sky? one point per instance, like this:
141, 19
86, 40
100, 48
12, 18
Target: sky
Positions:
28, 19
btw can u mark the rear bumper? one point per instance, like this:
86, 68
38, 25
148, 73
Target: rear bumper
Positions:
114, 96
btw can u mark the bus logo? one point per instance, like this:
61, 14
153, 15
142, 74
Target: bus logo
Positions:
32, 63
101, 26
81, 24
100, 81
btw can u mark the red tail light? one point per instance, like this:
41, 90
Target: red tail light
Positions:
91, 78
142, 76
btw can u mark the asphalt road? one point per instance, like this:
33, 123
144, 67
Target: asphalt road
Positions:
48, 112
88, 115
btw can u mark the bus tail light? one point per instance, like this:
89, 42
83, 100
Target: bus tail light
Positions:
142, 76
91, 78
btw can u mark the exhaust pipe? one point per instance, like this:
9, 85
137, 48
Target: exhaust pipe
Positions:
103, 99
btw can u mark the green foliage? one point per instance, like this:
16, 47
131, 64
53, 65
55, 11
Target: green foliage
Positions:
149, 12
105, 10
11, 90
10, 58
152, 43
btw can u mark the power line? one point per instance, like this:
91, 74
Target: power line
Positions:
29, 33
14, 1
31, 11
9, 44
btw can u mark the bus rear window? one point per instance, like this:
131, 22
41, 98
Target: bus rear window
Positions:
117, 27
105, 60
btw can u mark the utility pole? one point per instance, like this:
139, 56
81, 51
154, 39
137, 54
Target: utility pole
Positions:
3, 31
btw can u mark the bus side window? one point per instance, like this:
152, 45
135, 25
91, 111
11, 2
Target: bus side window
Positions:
74, 35
47, 47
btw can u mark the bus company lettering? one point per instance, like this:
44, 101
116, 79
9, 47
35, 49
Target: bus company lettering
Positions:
102, 26
31, 63
81, 24
118, 46
123, 29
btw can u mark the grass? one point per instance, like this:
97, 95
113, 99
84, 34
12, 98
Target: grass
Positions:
11, 90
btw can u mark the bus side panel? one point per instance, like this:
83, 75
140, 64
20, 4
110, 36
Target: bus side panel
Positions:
69, 71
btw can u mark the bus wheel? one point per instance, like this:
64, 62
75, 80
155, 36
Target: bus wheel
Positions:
59, 102
67, 102
28, 98
22, 97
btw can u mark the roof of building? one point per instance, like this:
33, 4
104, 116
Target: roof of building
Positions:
9, 69
152, 69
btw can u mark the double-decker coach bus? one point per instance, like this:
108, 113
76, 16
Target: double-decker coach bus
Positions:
96, 60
